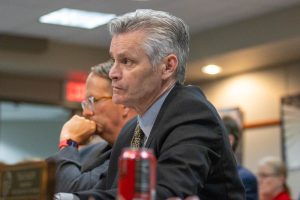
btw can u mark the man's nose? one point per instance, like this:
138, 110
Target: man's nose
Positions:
114, 72
87, 113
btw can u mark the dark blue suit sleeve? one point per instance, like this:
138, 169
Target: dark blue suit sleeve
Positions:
249, 182
69, 175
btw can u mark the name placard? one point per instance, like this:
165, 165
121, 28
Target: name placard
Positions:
27, 181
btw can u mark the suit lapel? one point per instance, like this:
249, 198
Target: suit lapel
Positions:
159, 119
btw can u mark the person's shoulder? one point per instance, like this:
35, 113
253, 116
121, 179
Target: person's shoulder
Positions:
191, 98
190, 102
283, 196
183, 94
189, 90
245, 173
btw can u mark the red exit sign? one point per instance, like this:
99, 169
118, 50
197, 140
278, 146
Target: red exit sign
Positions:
75, 91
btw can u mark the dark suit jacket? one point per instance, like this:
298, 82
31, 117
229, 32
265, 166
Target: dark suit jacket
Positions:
80, 170
250, 183
193, 153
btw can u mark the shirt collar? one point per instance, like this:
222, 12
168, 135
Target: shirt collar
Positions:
147, 120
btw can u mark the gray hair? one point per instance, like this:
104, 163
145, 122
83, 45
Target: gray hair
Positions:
276, 165
103, 69
166, 33
278, 168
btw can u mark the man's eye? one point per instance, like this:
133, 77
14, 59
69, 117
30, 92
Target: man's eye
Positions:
126, 61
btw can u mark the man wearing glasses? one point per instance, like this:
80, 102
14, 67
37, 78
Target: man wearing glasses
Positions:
80, 170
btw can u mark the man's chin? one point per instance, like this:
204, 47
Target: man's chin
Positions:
98, 132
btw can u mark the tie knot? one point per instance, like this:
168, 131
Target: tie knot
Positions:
138, 137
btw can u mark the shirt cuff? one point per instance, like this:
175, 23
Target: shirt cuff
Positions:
65, 196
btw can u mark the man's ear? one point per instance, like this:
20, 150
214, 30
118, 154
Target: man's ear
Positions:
170, 64
231, 139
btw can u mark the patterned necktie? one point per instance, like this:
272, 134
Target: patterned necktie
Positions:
138, 138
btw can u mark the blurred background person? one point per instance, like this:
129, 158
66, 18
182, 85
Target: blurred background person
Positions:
272, 177
247, 177
80, 170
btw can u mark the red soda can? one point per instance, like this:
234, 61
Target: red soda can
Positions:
137, 174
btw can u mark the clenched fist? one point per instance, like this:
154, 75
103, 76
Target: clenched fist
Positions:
78, 129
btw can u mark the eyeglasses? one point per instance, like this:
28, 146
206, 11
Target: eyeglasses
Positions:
266, 175
89, 103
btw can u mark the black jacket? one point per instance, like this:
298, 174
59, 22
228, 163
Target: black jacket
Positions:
192, 149
80, 170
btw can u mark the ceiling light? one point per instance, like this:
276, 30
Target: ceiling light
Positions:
77, 18
211, 69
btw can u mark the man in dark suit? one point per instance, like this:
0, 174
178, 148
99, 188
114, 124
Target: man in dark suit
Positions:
79, 170
194, 158
247, 177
